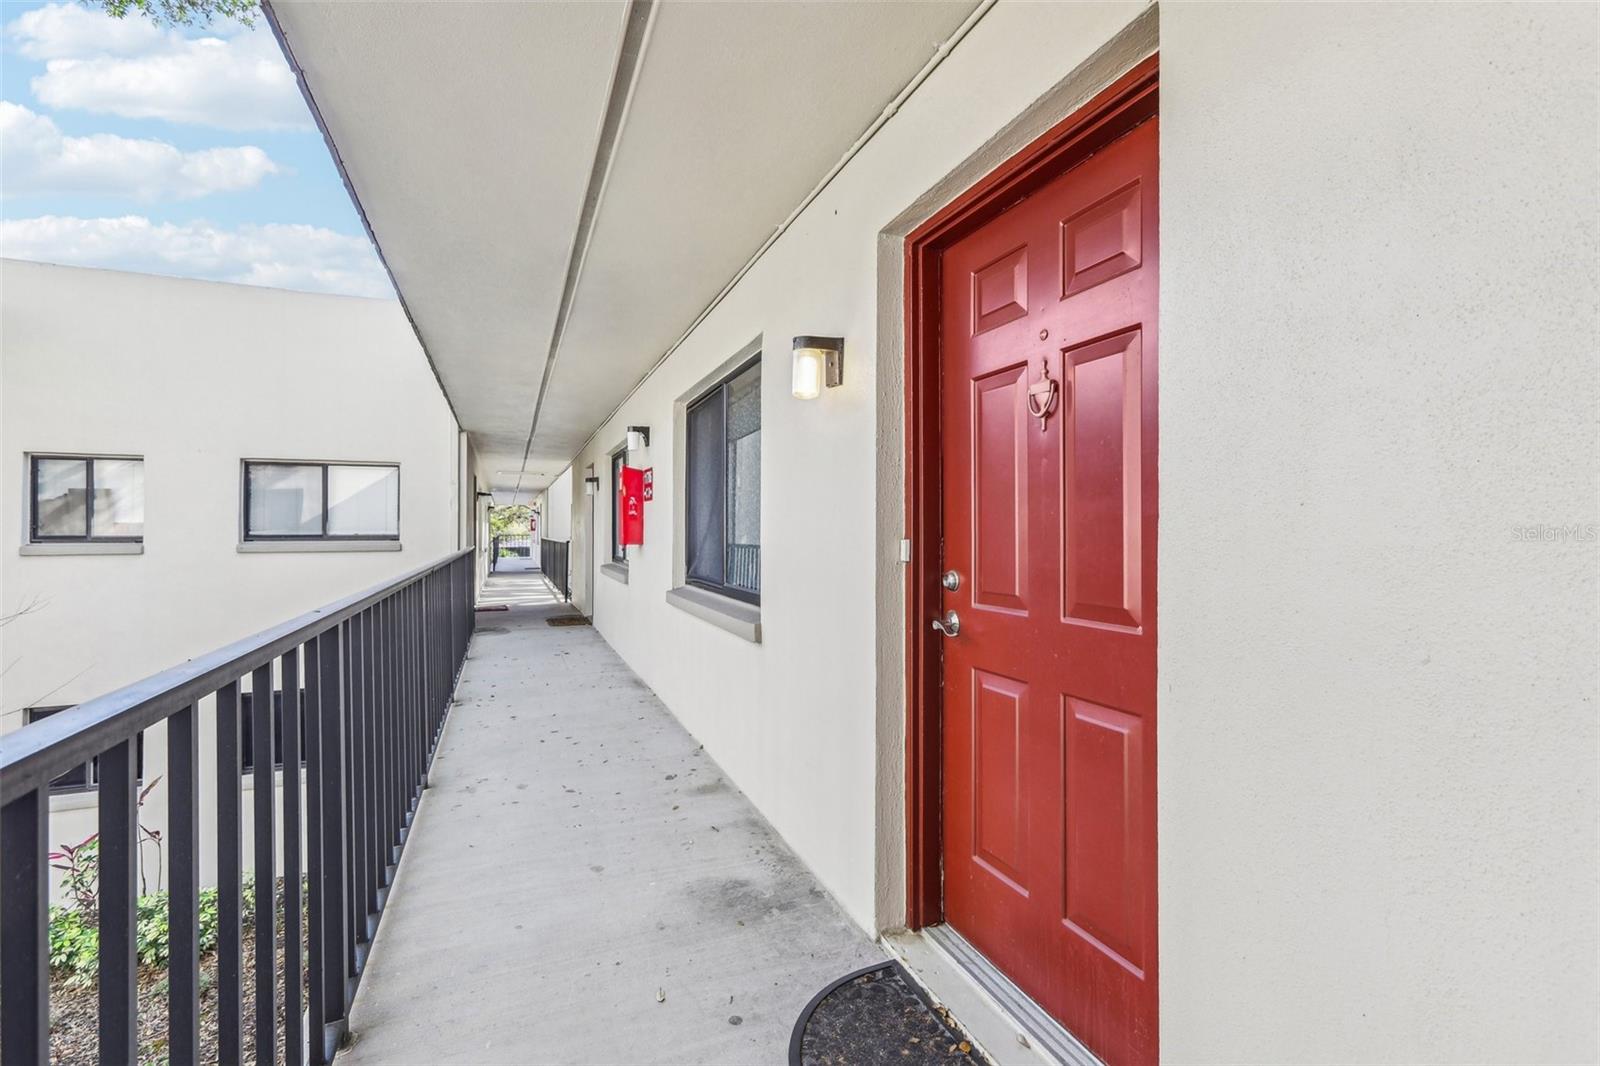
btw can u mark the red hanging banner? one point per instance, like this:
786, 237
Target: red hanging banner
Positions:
630, 505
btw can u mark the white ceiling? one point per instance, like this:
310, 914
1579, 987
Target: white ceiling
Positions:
470, 130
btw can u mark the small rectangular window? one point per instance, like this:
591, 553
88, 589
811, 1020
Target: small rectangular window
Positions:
85, 498
722, 551
619, 554
247, 731
321, 501
85, 777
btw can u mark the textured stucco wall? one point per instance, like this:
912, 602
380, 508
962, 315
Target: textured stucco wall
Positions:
795, 720
1377, 736
195, 376
1378, 362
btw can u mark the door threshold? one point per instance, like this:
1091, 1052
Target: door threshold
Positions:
1005, 1021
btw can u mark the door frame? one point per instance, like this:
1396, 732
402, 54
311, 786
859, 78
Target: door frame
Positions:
1110, 114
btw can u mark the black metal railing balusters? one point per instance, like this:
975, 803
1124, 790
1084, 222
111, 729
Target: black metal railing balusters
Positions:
382, 800
264, 866
352, 802
230, 862
402, 708
420, 649
293, 914
374, 793
365, 686
360, 770
402, 740
183, 883
325, 842
24, 929
119, 889
389, 800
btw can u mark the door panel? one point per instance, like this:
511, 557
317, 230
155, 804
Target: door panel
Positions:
998, 815
1000, 487
1102, 487
1103, 847
1049, 724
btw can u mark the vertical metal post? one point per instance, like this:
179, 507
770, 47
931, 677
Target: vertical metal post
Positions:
361, 770
24, 929
266, 874
230, 862
119, 888
325, 823
293, 923
183, 899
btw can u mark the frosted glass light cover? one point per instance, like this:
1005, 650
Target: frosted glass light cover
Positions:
807, 382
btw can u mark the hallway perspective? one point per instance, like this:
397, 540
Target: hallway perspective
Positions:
581, 883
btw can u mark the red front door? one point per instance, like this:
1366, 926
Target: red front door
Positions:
1050, 523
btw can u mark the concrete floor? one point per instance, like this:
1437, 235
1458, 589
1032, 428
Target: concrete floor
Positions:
582, 884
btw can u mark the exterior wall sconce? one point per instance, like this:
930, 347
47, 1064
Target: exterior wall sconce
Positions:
818, 361
638, 437
591, 485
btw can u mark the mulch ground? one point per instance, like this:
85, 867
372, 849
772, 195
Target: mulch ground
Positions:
75, 1011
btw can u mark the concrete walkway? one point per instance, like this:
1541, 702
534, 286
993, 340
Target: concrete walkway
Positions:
582, 884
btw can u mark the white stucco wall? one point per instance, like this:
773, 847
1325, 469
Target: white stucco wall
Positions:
1378, 721
555, 505
195, 376
794, 718
1377, 785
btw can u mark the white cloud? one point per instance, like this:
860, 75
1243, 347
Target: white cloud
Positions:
281, 256
128, 67
35, 157
64, 31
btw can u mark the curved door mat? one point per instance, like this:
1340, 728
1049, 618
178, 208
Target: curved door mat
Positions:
876, 1015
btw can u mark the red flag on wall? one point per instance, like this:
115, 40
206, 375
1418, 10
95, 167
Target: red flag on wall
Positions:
630, 505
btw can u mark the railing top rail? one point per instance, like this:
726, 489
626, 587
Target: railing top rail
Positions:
32, 756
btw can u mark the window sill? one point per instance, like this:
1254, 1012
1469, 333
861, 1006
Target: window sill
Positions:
250, 547
83, 800
615, 571
741, 619
85, 547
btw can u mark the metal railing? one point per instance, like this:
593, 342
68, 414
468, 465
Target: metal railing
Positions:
744, 567
554, 556
378, 670
513, 544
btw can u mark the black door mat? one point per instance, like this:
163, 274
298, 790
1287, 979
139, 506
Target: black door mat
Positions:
876, 1015
567, 620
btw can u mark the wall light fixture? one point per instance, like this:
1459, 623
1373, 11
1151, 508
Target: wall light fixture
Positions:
818, 361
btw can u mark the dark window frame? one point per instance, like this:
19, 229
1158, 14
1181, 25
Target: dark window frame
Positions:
247, 730
244, 520
619, 551
88, 537
717, 393
90, 767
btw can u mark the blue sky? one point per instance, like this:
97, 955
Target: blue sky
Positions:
174, 151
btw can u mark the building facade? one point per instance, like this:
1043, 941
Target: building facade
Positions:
137, 412
958, 341
1338, 840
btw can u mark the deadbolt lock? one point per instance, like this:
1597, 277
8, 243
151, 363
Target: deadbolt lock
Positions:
951, 580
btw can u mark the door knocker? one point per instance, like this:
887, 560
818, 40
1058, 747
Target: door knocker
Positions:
1042, 395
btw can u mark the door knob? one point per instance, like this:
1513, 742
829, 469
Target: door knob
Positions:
949, 625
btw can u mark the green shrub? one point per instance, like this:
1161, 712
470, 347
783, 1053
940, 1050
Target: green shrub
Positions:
75, 932
74, 943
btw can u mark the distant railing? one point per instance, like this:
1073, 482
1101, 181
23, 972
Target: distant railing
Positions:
554, 556
744, 567
512, 544
377, 671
